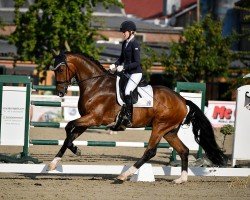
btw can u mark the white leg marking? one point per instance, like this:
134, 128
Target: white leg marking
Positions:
182, 179
54, 163
112, 132
127, 173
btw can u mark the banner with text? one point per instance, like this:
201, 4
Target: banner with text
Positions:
13, 116
221, 113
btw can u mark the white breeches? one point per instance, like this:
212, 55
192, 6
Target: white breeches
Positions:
132, 82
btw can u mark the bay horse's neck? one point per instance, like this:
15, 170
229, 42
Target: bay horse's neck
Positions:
87, 71
86, 68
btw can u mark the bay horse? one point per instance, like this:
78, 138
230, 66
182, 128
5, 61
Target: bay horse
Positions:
97, 106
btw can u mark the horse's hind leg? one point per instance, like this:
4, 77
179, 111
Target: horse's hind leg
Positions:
173, 139
149, 153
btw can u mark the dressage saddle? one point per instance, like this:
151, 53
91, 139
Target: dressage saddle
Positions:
123, 83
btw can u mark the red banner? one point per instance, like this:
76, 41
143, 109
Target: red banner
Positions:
221, 112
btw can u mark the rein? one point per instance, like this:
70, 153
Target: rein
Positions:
68, 82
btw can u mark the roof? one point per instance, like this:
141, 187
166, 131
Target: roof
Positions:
148, 9
113, 23
151, 9
144, 9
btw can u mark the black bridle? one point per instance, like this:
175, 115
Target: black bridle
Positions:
60, 60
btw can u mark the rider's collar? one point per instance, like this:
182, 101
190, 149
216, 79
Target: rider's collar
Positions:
130, 38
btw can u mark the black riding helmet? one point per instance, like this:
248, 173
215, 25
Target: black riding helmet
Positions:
127, 26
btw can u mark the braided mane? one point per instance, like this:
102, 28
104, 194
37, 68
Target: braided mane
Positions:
89, 58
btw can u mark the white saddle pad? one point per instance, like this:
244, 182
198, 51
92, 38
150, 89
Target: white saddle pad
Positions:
146, 99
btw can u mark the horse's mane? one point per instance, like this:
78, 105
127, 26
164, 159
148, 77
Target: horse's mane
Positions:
89, 58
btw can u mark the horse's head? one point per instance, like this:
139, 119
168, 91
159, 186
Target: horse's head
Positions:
63, 73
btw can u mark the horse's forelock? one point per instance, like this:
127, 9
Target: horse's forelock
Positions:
58, 60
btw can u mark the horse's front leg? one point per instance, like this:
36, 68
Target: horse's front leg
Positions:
183, 151
71, 135
73, 130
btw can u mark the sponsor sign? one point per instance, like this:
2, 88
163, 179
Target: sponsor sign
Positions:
13, 116
221, 112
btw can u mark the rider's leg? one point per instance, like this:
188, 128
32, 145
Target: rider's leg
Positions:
129, 109
131, 85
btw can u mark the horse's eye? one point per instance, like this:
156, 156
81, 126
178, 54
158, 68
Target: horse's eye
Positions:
60, 70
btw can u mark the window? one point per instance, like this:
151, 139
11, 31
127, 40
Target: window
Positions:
140, 37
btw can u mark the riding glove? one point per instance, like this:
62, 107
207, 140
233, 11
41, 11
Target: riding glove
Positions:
112, 67
120, 68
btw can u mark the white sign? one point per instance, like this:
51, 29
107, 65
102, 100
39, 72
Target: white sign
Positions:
186, 134
71, 113
241, 149
44, 113
13, 116
221, 113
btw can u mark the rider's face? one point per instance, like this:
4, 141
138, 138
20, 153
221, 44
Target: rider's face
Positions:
126, 35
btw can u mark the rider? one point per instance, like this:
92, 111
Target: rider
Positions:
130, 58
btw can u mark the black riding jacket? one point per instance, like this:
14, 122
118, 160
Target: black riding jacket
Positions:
130, 56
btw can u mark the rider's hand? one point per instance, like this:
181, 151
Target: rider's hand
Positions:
112, 67
120, 68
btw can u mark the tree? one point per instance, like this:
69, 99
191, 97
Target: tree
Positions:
243, 8
1, 23
202, 53
148, 57
1, 28
55, 25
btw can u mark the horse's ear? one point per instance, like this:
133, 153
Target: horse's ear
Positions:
54, 53
66, 44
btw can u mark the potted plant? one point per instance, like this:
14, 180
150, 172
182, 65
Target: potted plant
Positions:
226, 130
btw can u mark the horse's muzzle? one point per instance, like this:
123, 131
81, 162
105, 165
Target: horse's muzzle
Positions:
61, 94
61, 91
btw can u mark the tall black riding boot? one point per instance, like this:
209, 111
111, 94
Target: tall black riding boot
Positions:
129, 109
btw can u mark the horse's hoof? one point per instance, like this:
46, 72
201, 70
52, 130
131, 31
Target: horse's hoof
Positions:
183, 178
179, 181
122, 177
53, 164
118, 181
51, 167
78, 152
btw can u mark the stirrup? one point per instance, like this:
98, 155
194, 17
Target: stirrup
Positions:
118, 124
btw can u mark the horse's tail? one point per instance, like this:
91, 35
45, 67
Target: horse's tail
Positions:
204, 134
